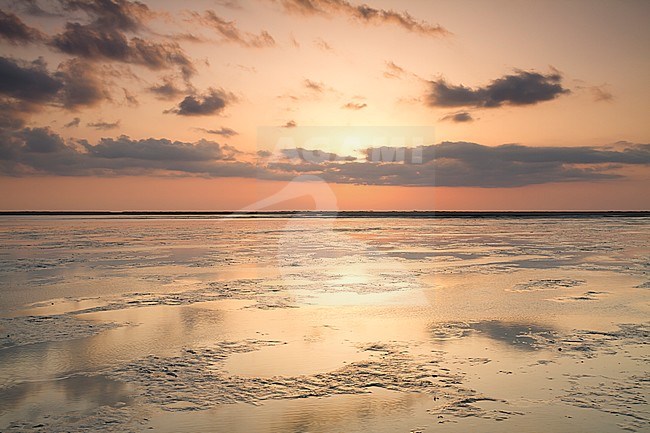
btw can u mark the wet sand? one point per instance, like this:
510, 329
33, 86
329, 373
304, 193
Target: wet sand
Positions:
324, 325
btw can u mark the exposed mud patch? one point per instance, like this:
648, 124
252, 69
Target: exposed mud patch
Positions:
590, 295
197, 378
546, 284
20, 331
627, 397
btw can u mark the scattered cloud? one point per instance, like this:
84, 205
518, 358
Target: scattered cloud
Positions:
393, 71
294, 41
230, 4
314, 86
224, 132
14, 30
355, 105
73, 123
460, 117
601, 94
520, 88
166, 90
229, 31
362, 13
322, 44
104, 126
213, 101
130, 99
187, 37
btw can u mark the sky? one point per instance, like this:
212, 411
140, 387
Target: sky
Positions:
324, 104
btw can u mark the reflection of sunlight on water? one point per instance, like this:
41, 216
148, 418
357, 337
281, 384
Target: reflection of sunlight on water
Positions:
410, 298
352, 277
344, 269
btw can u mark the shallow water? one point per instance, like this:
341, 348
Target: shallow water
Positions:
324, 325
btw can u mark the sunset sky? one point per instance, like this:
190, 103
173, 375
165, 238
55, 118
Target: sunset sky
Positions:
218, 105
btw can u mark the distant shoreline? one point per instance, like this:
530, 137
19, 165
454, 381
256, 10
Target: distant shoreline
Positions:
339, 214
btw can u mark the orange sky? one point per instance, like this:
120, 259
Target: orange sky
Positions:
565, 81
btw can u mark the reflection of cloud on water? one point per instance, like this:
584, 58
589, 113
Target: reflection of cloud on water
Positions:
518, 335
76, 393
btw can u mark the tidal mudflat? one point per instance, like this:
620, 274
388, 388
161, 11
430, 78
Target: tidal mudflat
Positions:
324, 324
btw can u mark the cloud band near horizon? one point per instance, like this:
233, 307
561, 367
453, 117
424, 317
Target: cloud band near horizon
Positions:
40, 151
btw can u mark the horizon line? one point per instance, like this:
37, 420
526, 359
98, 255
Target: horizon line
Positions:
339, 213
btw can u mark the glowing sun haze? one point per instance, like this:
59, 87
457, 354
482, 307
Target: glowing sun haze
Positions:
164, 105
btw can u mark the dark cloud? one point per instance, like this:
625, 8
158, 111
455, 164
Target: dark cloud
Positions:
28, 81
18, 148
104, 126
112, 14
460, 117
476, 153
290, 124
104, 37
229, 31
473, 165
41, 140
93, 42
355, 105
450, 164
521, 88
224, 132
82, 84
28, 87
211, 102
41, 151
73, 123
14, 114
17, 32
33, 7
362, 13
155, 149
